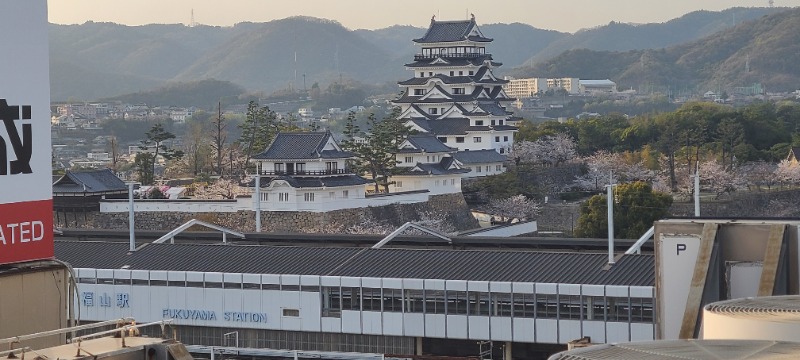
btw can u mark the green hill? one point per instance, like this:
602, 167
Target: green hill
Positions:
203, 93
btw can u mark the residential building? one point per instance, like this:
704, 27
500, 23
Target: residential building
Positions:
597, 86
454, 95
524, 88
571, 85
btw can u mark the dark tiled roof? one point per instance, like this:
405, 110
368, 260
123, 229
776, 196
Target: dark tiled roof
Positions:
474, 61
451, 31
443, 167
492, 108
318, 182
450, 80
300, 145
428, 143
479, 157
455, 126
97, 181
520, 266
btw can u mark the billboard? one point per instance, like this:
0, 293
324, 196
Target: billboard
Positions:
26, 204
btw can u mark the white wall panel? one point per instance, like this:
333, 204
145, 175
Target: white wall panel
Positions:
311, 281
617, 291
371, 322
414, 324
642, 291
544, 288
351, 281
371, 282
478, 286
392, 323
500, 287
617, 332
417, 284
331, 325
290, 280
642, 332
436, 325
158, 297
310, 311
392, 283
196, 276
351, 321
270, 279
524, 330
479, 327
434, 284
569, 289
547, 331
501, 329
523, 288
596, 330
330, 280
568, 330
593, 290
457, 327
457, 285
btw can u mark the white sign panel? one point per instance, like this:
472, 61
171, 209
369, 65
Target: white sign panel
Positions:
677, 255
26, 210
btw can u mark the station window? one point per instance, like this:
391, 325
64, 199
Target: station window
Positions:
232, 285
351, 298
246, 285
331, 301
371, 299
501, 304
291, 312
570, 307
195, 284
478, 303
270, 286
595, 307
618, 309
434, 302
642, 310
393, 300
547, 306
181, 283
414, 301
524, 306
456, 302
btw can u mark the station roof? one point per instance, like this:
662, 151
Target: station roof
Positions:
476, 265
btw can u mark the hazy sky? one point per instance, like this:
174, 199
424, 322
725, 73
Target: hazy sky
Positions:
563, 15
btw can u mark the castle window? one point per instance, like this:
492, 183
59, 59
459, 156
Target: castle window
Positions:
459, 139
264, 196
409, 159
452, 73
502, 150
419, 92
430, 73
458, 91
398, 184
498, 167
422, 74
478, 169
332, 195
283, 197
471, 73
477, 139
505, 138
493, 123
500, 122
460, 73
442, 139
308, 197
345, 194
496, 139
434, 111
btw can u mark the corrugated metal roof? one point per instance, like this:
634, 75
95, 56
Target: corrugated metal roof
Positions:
520, 266
686, 349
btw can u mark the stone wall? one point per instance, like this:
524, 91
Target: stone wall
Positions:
560, 217
781, 203
451, 208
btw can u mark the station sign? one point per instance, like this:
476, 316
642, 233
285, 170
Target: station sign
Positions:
26, 201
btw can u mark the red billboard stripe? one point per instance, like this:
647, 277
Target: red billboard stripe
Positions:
26, 231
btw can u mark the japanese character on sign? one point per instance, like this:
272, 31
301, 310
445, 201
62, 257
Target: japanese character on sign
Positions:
122, 300
105, 300
87, 298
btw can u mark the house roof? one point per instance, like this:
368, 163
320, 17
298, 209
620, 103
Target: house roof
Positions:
301, 145
445, 166
479, 157
313, 182
794, 154
427, 143
96, 181
476, 265
451, 31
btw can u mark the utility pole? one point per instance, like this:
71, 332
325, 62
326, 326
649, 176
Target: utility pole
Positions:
697, 191
258, 199
610, 202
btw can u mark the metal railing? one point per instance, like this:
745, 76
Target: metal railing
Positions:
448, 55
306, 172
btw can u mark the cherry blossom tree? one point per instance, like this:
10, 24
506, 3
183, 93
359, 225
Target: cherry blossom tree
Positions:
548, 150
718, 179
758, 174
222, 188
788, 173
515, 207
603, 164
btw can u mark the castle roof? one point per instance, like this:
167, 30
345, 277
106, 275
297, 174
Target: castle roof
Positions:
452, 31
303, 145
425, 143
97, 181
479, 157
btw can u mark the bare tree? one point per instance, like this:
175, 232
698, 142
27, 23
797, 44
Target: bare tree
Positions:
219, 136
